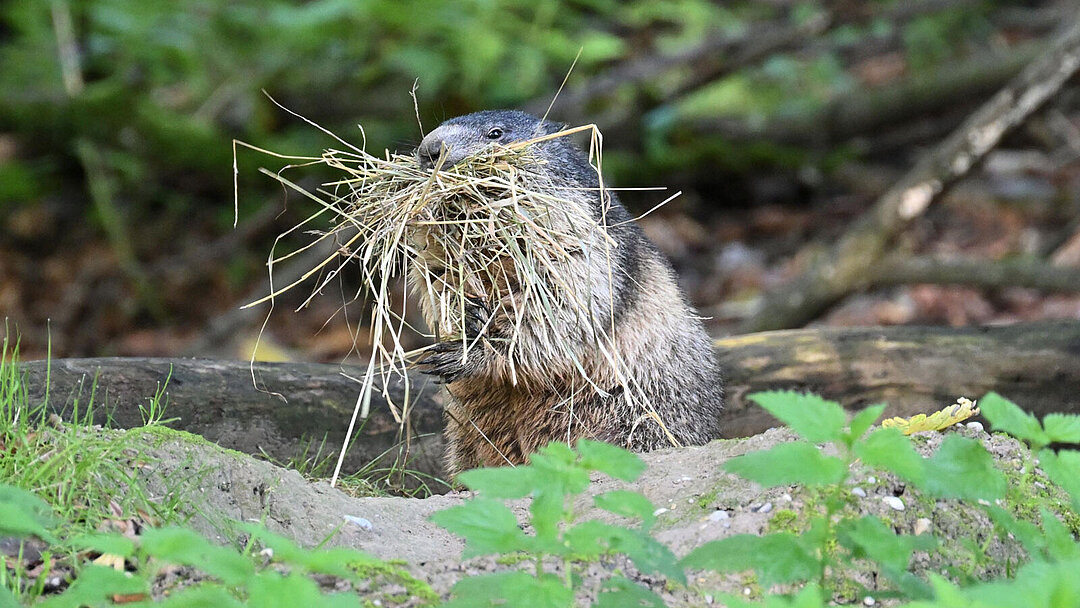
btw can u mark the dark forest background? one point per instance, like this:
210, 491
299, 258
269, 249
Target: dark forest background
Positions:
779, 121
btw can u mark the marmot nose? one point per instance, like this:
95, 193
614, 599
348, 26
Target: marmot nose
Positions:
438, 143
427, 153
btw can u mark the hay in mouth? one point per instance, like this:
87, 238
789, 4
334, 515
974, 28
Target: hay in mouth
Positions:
493, 229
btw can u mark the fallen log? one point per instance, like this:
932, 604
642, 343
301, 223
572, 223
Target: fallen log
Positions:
913, 369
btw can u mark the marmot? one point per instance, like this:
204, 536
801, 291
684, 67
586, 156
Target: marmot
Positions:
638, 309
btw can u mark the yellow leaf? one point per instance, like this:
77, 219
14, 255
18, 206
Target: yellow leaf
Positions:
110, 561
263, 348
958, 412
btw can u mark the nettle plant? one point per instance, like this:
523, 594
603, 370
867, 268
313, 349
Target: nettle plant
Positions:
808, 566
553, 477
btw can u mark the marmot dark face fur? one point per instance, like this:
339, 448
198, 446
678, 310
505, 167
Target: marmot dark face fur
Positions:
666, 360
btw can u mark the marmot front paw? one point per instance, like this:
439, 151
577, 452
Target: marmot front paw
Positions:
446, 360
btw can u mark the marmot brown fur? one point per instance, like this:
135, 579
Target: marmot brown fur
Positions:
637, 309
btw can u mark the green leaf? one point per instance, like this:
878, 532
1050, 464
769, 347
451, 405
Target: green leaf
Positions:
270, 589
789, 464
183, 546
946, 595
1037, 584
1063, 428
515, 589
548, 508
38, 509
776, 558
610, 459
17, 521
814, 418
1060, 544
1029, 535
595, 538
891, 450
7, 600
201, 597
1063, 468
869, 537
620, 592
962, 468
730, 600
285, 550
113, 544
338, 561
556, 470
501, 482
1006, 416
487, 526
628, 504
808, 597
23, 514
863, 421
587, 539
95, 586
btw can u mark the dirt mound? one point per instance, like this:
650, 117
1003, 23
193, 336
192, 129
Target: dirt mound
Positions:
697, 502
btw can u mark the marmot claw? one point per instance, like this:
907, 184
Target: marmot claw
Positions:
445, 361
477, 314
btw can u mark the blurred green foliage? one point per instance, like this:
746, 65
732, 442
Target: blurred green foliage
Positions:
160, 88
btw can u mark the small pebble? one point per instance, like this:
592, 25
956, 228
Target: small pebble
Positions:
976, 426
764, 508
719, 515
660, 511
984, 502
868, 601
786, 497
746, 591
364, 524
921, 525
894, 503
871, 479
861, 493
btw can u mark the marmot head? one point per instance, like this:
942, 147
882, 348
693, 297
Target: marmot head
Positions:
467, 135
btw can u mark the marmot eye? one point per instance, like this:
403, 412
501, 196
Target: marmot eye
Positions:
495, 133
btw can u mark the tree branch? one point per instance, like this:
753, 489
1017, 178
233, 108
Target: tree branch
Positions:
851, 261
1032, 274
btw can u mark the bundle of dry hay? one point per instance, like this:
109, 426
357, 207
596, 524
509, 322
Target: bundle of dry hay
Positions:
487, 229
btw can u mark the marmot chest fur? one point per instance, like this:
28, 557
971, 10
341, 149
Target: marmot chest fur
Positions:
637, 371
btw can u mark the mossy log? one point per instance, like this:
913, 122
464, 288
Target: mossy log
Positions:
913, 369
